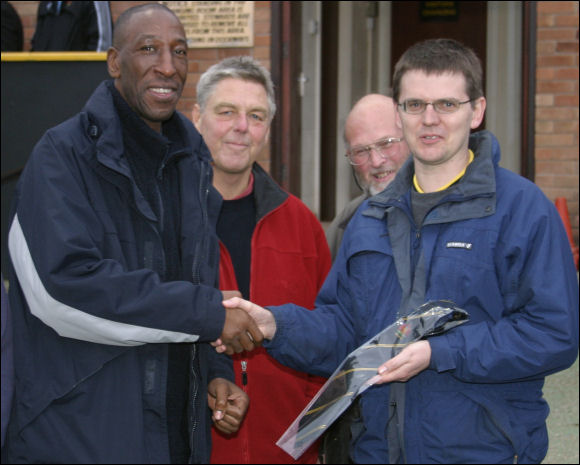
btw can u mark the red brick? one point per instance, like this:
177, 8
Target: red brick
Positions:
567, 47
565, 73
544, 127
566, 126
557, 153
546, 47
566, 100
555, 60
199, 54
554, 140
557, 34
545, 74
569, 20
554, 87
557, 167
557, 180
556, 7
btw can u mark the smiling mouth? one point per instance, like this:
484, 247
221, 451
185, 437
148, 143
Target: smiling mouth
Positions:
163, 92
383, 174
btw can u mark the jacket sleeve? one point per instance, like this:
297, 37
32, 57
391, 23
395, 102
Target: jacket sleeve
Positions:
536, 331
56, 244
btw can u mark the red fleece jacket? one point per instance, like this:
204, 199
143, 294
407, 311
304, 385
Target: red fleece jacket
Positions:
290, 260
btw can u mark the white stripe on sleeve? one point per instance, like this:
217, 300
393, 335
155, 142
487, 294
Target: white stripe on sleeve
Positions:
71, 322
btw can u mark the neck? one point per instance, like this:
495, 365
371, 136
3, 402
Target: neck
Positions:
231, 185
432, 178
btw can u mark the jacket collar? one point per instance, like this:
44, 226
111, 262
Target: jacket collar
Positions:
479, 178
268, 194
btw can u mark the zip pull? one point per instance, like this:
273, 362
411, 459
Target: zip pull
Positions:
244, 373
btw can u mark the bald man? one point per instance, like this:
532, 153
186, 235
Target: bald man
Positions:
375, 149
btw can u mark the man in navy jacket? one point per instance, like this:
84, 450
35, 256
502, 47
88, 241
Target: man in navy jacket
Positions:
115, 259
452, 225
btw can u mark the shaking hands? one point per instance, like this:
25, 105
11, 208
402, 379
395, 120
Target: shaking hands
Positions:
246, 326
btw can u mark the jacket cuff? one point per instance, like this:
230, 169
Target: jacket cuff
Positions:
441, 357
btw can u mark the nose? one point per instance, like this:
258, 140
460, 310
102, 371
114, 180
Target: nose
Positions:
430, 116
375, 158
165, 64
241, 122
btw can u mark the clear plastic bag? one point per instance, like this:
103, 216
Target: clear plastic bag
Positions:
352, 377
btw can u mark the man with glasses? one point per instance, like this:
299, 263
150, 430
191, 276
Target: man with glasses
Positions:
375, 149
453, 225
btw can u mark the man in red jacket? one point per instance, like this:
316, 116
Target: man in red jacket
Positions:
273, 250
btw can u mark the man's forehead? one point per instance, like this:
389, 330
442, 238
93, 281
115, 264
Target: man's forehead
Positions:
151, 22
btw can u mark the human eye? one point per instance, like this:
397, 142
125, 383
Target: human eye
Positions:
384, 144
148, 48
257, 117
360, 153
414, 105
447, 105
181, 51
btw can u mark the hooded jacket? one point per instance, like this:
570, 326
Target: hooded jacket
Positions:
92, 318
290, 259
495, 246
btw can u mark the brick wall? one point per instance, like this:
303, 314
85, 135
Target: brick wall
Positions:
557, 104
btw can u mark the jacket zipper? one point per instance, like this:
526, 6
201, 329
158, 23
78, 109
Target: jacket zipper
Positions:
203, 195
196, 279
244, 372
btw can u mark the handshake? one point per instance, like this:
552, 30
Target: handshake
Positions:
246, 325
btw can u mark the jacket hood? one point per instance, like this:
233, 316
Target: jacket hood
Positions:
486, 147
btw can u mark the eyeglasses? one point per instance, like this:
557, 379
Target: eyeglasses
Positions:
445, 105
359, 155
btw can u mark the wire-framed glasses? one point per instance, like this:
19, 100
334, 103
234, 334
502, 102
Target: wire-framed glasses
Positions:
360, 154
415, 106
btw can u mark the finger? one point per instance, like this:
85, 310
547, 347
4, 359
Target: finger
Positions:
232, 302
255, 332
235, 347
221, 349
218, 342
221, 400
246, 342
226, 427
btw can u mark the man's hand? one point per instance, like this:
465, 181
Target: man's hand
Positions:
264, 319
240, 332
228, 404
412, 360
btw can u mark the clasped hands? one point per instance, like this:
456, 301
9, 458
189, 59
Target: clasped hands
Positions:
246, 325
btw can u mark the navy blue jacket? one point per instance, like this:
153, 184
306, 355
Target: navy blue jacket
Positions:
92, 321
496, 246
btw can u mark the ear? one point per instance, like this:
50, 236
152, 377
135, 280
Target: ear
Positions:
478, 112
113, 63
196, 116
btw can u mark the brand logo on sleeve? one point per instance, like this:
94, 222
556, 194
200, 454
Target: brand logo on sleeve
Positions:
460, 245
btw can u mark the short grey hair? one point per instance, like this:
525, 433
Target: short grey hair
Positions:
240, 67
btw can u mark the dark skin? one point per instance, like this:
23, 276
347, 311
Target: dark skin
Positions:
148, 63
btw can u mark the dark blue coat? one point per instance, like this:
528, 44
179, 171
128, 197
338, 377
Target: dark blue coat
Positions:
495, 246
92, 321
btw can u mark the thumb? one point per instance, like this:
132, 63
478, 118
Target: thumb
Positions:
232, 302
221, 400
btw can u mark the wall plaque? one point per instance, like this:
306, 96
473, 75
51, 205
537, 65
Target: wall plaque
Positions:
216, 24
